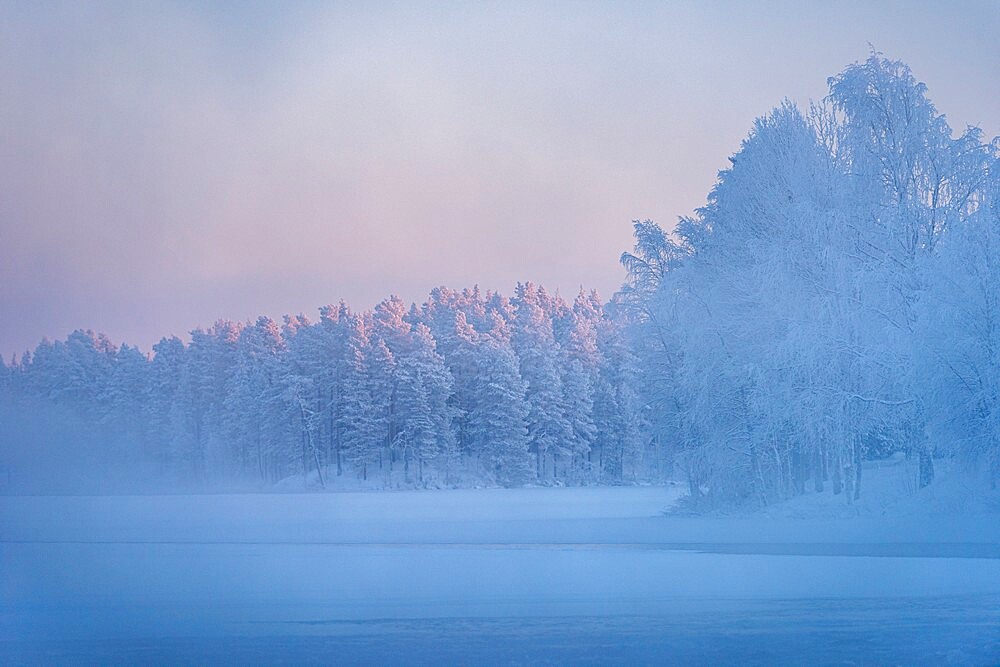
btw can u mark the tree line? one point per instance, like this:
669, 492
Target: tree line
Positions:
467, 388
837, 299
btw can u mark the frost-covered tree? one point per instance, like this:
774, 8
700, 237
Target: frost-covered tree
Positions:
329, 356
423, 403
123, 404
776, 328
362, 417
255, 412
579, 372
549, 432
957, 342
396, 395
210, 362
497, 422
166, 418
909, 179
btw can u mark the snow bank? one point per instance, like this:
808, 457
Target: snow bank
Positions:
889, 488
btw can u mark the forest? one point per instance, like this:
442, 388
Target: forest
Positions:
836, 300
469, 388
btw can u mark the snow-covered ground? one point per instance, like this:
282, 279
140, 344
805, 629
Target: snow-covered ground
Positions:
539, 575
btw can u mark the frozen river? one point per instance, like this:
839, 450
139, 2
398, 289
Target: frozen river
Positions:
487, 576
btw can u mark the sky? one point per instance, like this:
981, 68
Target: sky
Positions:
166, 165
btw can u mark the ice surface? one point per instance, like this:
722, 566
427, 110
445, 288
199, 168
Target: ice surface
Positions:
532, 575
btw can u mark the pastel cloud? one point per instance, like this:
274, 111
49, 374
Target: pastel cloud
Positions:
162, 166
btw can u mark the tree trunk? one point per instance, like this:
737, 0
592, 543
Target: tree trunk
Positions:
340, 458
818, 471
260, 457
319, 471
799, 470
857, 471
926, 467
693, 489
305, 461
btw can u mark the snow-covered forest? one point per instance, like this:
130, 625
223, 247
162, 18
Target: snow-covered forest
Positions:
469, 388
775, 439
836, 300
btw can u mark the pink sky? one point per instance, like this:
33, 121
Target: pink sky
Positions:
164, 166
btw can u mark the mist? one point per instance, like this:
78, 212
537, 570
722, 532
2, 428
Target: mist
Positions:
364, 367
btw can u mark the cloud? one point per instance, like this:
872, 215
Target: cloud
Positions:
164, 165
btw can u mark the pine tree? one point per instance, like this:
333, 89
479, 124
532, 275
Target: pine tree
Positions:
362, 416
331, 358
257, 417
549, 432
498, 417
424, 387
166, 417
